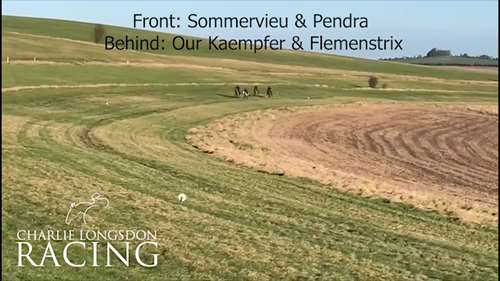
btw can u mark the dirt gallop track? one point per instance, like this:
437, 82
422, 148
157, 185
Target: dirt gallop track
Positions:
437, 157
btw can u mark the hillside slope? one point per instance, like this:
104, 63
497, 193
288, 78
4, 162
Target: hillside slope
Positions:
84, 32
80, 120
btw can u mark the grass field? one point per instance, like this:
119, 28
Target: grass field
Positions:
82, 120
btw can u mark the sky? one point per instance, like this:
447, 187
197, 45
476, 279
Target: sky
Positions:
462, 26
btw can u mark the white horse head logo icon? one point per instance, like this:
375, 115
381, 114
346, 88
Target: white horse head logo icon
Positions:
80, 209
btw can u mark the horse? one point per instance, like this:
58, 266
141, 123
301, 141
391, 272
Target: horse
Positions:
255, 91
245, 93
237, 92
269, 92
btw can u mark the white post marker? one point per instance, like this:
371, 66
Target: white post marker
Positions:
182, 197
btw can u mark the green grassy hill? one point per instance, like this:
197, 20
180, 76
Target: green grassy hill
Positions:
84, 32
82, 120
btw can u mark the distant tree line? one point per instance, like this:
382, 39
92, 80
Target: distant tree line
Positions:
434, 52
438, 53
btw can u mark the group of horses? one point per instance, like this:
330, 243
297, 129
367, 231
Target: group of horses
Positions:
244, 94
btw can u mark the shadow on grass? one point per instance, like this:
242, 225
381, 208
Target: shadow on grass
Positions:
228, 96
235, 97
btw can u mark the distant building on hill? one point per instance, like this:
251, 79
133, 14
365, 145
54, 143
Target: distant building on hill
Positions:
438, 53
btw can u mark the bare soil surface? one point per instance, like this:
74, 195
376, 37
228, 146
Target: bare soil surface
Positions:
443, 158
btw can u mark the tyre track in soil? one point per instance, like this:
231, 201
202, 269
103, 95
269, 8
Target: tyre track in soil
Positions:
445, 160
437, 157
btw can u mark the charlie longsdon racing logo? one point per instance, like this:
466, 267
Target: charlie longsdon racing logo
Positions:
79, 210
104, 247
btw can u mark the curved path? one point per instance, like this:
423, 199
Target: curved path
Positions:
440, 158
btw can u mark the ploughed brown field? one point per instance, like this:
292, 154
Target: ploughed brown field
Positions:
435, 157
